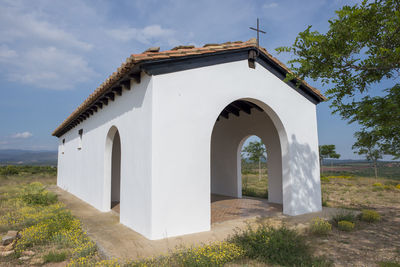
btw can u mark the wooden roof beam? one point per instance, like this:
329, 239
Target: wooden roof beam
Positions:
233, 110
126, 84
225, 114
242, 105
111, 96
135, 76
117, 90
104, 100
94, 108
254, 106
99, 104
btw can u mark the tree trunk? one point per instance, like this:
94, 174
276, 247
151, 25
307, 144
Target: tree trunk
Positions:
376, 170
259, 169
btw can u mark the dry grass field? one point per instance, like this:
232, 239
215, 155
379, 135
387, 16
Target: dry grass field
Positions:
54, 236
370, 244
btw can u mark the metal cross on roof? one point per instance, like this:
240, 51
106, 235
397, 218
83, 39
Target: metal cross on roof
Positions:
258, 32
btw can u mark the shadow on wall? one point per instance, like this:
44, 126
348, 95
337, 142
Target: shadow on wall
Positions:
306, 186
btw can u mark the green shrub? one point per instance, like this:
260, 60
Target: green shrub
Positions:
377, 188
9, 170
343, 215
250, 192
324, 201
346, 226
35, 194
275, 246
55, 257
320, 227
346, 177
388, 187
43, 198
370, 216
215, 254
377, 185
324, 179
398, 186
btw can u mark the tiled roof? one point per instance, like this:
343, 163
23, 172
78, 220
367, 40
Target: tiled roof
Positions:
153, 54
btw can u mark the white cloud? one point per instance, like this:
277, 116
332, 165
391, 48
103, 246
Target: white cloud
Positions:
39, 50
18, 25
22, 135
7, 54
270, 5
144, 35
51, 68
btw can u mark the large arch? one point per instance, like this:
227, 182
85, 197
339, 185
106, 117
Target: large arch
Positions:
112, 169
227, 138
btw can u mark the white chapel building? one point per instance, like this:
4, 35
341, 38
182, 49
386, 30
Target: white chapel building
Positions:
165, 131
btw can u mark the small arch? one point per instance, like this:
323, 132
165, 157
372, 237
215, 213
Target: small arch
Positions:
242, 182
112, 170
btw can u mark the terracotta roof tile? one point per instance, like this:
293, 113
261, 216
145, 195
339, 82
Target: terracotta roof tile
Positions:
151, 54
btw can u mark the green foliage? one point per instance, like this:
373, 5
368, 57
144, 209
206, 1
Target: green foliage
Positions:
346, 226
367, 144
55, 257
360, 50
320, 227
216, 254
26, 170
275, 246
324, 202
324, 178
8, 170
377, 116
35, 194
256, 151
343, 215
370, 216
251, 192
42, 220
328, 151
247, 167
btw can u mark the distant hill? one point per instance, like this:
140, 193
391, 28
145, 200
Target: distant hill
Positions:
27, 157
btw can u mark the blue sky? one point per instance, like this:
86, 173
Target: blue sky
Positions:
53, 54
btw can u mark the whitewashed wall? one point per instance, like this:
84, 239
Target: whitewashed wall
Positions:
185, 107
82, 172
165, 125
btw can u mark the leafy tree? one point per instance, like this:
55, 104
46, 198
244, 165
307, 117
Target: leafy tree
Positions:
256, 153
327, 151
360, 50
380, 117
367, 144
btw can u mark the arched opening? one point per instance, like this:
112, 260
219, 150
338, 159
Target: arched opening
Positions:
113, 170
116, 173
237, 122
252, 167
